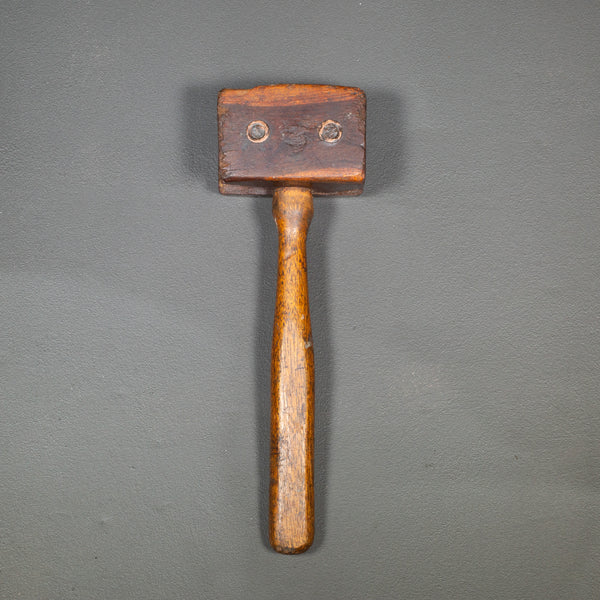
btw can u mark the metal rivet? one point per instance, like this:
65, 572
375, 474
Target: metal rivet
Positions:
330, 131
257, 131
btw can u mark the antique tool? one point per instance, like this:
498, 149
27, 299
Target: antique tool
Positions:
292, 141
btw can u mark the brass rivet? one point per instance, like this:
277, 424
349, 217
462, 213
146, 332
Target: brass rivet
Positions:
330, 131
257, 131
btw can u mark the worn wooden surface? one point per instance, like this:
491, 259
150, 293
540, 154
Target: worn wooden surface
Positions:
291, 502
293, 141
293, 153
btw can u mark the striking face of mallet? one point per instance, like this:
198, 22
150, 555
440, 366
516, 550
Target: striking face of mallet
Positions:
292, 141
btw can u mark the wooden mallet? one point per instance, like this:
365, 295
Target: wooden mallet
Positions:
292, 141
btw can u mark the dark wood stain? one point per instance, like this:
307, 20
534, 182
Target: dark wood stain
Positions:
293, 154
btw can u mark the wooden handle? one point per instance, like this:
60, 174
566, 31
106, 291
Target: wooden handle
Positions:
291, 497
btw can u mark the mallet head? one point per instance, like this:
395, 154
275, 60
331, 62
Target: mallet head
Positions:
292, 135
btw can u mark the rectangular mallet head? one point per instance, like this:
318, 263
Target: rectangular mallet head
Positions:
292, 135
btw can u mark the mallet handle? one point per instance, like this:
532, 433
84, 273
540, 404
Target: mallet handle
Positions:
291, 496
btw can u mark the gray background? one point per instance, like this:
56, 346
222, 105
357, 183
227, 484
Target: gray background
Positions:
455, 304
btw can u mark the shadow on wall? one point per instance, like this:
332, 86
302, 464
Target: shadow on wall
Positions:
385, 166
386, 141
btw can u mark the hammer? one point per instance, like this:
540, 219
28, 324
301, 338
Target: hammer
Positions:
292, 141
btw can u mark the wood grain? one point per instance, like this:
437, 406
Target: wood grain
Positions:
293, 154
291, 497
